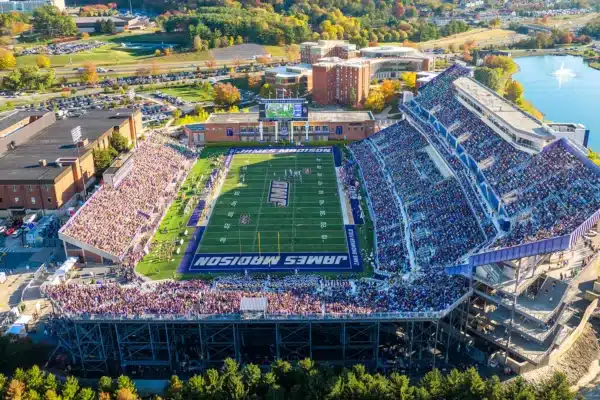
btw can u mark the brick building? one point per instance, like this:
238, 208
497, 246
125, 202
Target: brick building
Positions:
347, 81
245, 127
312, 52
40, 168
291, 79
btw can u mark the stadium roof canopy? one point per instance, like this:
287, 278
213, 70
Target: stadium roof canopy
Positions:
501, 107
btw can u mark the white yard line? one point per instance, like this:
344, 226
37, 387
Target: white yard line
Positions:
260, 207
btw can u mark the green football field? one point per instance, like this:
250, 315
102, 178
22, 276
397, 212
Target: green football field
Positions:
244, 221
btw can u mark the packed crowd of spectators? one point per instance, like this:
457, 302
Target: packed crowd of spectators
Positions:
63, 48
392, 253
290, 295
546, 195
442, 225
112, 217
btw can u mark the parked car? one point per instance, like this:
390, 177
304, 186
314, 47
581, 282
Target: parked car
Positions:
17, 233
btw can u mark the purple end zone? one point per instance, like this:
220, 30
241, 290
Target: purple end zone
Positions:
285, 262
190, 250
337, 156
195, 217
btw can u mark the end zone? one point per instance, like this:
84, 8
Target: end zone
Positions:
195, 263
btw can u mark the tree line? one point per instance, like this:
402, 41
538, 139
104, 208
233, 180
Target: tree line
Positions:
303, 380
362, 23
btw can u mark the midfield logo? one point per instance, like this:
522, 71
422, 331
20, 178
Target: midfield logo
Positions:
278, 193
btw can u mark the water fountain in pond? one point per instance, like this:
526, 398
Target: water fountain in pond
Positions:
563, 74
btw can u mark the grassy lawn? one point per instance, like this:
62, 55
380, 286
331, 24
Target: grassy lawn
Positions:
276, 51
189, 93
481, 36
173, 224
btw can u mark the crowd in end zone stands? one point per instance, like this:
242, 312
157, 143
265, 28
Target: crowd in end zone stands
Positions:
112, 217
291, 295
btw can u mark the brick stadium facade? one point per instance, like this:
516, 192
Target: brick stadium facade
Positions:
245, 127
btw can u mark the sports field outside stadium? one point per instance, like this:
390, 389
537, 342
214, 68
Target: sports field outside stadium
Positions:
245, 221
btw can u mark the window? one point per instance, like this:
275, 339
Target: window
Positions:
16, 199
33, 200
49, 199
14, 188
1, 200
30, 188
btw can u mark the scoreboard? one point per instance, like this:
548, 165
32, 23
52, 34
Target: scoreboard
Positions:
283, 110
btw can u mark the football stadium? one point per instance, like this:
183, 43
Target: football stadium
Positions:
466, 230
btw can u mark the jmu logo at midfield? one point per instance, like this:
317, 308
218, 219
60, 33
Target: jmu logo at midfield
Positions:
278, 193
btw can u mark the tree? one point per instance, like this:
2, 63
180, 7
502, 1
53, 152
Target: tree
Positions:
226, 94
198, 46
375, 100
42, 61
494, 23
488, 77
49, 21
125, 394
505, 64
15, 390
254, 80
35, 378
86, 394
513, 91
89, 74
410, 79
210, 64
174, 389
85, 35
239, 40
157, 53
7, 59
71, 386
119, 142
177, 113
292, 53
267, 91
102, 159
167, 51
105, 384
389, 88
263, 60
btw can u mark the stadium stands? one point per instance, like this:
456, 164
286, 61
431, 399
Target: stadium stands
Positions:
112, 217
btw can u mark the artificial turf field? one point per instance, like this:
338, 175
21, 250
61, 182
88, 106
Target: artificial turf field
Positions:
244, 221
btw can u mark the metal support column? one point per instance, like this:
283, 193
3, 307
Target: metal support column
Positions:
277, 340
512, 313
435, 340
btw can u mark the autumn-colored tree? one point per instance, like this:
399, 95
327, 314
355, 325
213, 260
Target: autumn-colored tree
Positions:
197, 43
399, 10
263, 60
15, 390
239, 40
237, 62
7, 59
125, 394
254, 80
167, 51
226, 94
267, 91
513, 91
375, 100
85, 35
42, 61
389, 88
89, 74
410, 79
545, 19
494, 23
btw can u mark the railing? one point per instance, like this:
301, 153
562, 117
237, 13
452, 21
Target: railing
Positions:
419, 315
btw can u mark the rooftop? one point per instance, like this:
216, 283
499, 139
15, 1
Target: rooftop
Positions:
92, 20
22, 163
503, 108
290, 71
396, 51
10, 118
334, 116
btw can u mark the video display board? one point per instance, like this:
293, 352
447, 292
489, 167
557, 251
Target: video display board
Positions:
283, 110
